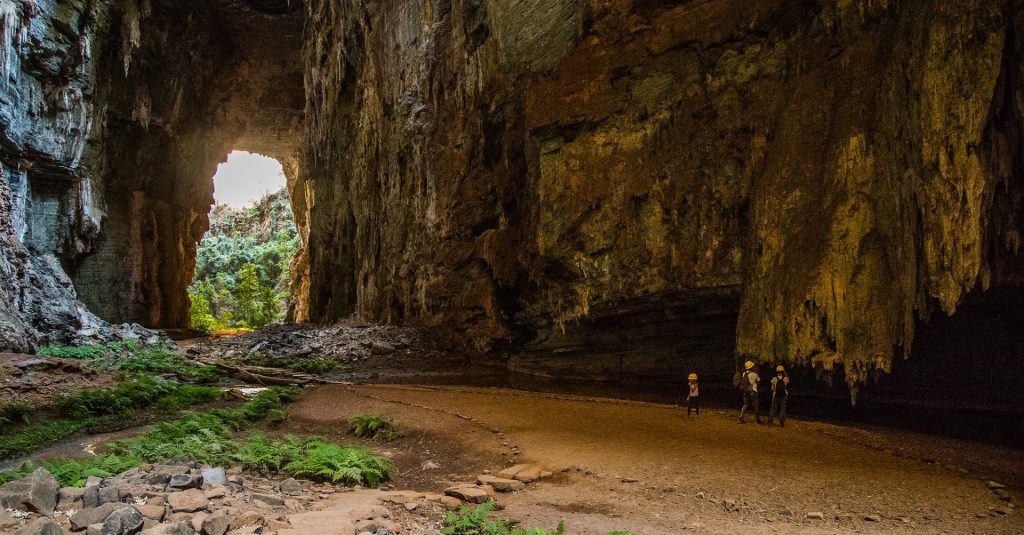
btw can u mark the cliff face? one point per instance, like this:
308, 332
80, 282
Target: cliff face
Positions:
114, 116
526, 170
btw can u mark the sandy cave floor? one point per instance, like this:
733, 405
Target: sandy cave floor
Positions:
647, 468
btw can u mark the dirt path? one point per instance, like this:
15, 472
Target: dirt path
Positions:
648, 469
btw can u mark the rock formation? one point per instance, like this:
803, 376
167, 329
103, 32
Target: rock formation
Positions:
598, 186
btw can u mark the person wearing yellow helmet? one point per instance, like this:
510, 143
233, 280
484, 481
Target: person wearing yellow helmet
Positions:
748, 381
780, 395
693, 398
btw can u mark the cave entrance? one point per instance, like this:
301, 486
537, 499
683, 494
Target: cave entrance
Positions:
242, 277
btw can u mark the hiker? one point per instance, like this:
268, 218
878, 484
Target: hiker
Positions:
747, 381
780, 394
693, 398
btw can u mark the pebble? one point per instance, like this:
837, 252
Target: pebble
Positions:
873, 518
816, 515
995, 485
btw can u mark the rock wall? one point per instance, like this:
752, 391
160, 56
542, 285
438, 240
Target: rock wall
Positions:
526, 171
114, 116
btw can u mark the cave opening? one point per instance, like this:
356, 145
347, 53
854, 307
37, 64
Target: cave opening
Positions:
242, 264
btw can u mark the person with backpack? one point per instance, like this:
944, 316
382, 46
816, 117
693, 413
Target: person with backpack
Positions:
693, 398
780, 395
747, 381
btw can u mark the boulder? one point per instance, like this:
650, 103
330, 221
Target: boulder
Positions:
523, 472
215, 476
41, 526
187, 501
291, 487
450, 502
177, 528
37, 493
185, 481
501, 484
70, 498
468, 493
216, 524
156, 512
94, 515
124, 521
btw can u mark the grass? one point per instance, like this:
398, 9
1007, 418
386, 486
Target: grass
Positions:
369, 425
311, 366
477, 521
134, 392
128, 356
15, 412
209, 438
29, 439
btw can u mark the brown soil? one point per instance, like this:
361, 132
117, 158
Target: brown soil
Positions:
649, 469
38, 380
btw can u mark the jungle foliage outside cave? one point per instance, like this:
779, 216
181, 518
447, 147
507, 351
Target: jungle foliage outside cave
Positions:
241, 278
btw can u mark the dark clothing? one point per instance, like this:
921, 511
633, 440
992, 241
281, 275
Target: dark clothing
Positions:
751, 401
693, 403
779, 400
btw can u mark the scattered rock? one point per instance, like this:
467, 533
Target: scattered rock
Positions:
523, 472
36, 492
177, 528
410, 506
216, 524
124, 521
268, 500
994, 485
468, 493
873, 518
786, 512
156, 512
41, 526
501, 484
185, 481
94, 515
450, 502
370, 526
214, 476
215, 492
816, 515
730, 505
188, 501
291, 487
429, 465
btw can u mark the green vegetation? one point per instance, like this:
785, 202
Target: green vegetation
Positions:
209, 437
241, 278
477, 521
28, 439
15, 412
135, 392
313, 366
129, 356
369, 425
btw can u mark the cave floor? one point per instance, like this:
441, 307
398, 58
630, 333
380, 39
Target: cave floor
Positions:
647, 468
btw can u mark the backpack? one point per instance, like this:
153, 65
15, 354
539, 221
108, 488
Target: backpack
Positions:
737, 380
745, 385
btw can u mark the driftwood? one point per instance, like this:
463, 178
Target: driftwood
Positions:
266, 376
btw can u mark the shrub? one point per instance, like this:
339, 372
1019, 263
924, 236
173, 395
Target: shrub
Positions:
30, 438
369, 425
74, 352
15, 412
351, 465
477, 521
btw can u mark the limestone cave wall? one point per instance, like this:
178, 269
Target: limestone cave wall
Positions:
539, 174
114, 116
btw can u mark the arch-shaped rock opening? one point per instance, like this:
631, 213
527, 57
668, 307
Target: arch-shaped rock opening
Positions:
203, 79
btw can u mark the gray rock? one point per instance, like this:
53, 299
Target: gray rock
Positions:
271, 501
94, 515
125, 521
69, 497
91, 496
177, 528
291, 487
216, 524
94, 529
112, 495
37, 493
215, 476
41, 526
185, 481
93, 481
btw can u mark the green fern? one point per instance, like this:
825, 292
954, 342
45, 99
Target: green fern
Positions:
369, 425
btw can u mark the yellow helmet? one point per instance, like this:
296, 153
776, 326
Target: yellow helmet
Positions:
749, 364
779, 368
692, 377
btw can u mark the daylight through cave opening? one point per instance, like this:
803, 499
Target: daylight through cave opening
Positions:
242, 274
